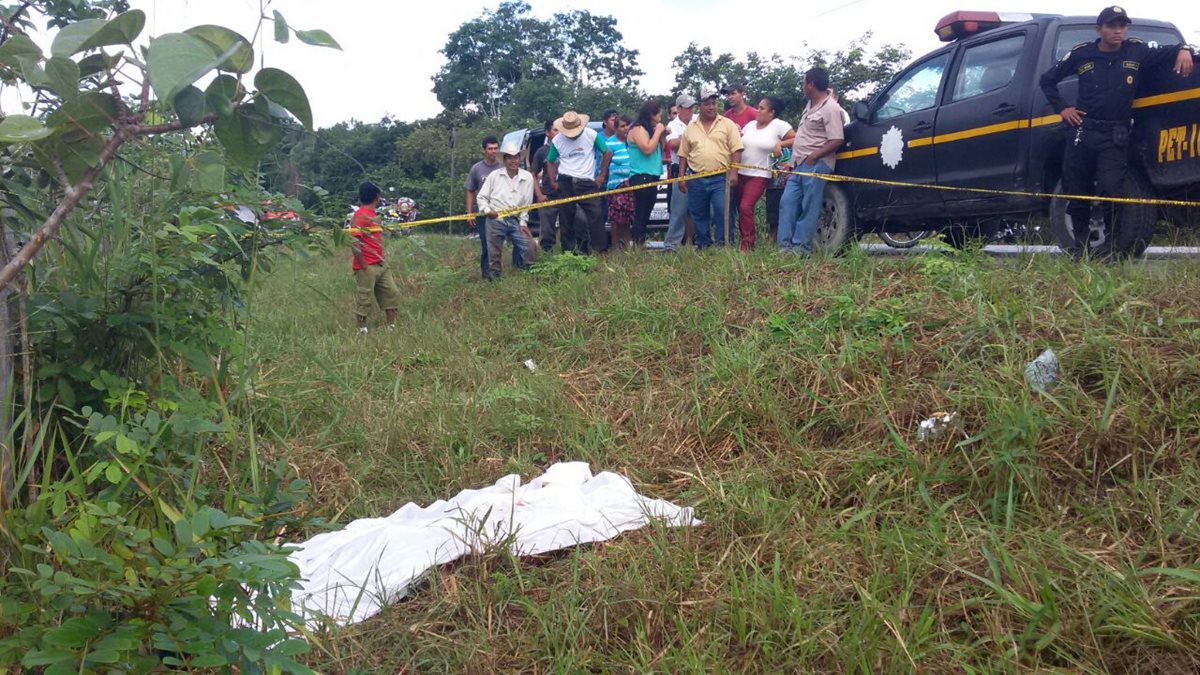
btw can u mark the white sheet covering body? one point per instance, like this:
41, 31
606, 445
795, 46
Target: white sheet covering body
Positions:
349, 575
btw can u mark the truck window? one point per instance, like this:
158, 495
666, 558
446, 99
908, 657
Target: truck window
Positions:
916, 90
1069, 36
988, 66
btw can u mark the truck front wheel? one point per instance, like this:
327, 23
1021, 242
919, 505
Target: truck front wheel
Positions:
1127, 228
836, 227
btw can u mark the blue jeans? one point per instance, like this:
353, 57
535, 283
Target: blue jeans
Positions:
507, 229
481, 228
706, 203
679, 211
800, 208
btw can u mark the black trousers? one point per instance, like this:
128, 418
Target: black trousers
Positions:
548, 223
1094, 164
576, 236
643, 204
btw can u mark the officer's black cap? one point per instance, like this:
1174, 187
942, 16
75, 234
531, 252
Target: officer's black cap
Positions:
1114, 13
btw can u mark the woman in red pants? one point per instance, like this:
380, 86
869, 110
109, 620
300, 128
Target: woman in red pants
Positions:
763, 137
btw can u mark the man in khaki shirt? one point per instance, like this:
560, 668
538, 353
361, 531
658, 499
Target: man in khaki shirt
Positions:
712, 142
819, 134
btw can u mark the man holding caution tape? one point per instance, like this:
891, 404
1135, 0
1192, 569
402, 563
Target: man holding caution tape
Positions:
1097, 154
510, 188
711, 143
571, 165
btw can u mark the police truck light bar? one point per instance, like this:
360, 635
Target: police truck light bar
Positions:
958, 25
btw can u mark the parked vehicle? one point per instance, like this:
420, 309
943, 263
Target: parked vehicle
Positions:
971, 115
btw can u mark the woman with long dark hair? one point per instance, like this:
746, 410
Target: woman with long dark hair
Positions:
645, 163
620, 206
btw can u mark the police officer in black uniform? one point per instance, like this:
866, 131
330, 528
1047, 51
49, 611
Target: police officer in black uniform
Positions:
1108, 71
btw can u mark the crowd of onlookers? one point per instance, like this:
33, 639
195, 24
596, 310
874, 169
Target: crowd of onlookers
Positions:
731, 159
728, 161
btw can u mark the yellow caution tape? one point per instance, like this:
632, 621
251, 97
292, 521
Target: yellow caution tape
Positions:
540, 205
833, 178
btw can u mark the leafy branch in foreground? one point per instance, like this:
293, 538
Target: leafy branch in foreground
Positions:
81, 120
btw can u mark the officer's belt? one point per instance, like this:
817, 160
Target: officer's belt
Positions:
1089, 123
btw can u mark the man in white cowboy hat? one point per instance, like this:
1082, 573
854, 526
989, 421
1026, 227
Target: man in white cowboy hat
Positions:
509, 188
571, 166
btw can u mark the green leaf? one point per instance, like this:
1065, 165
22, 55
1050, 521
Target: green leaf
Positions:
190, 105
183, 534
81, 36
283, 89
208, 661
90, 114
126, 445
66, 393
123, 29
224, 40
94, 64
222, 92
63, 74
46, 658
291, 648
16, 46
1183, 573
210, 172
22, 129
72, 37
31, 69
318, 38
281, 28
248, 133
175, 60
113, 473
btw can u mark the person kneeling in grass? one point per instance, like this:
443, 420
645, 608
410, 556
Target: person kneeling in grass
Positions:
371, 275
509, 188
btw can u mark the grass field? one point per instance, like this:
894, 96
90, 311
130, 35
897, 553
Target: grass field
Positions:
780, 397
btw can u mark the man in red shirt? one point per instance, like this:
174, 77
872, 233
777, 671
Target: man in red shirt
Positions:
371, 275
738, 111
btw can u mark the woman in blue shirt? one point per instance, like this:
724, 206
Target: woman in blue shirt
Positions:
645, 163
620, 206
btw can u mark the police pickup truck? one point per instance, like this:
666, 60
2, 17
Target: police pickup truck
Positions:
971, 115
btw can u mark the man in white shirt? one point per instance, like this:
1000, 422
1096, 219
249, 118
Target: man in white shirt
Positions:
677, 199
504, 190
571, 166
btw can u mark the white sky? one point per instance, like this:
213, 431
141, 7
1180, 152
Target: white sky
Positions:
391, 47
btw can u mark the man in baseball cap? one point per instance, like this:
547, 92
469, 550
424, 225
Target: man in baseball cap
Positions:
1111, 14
677, 199
1097, 153
710, 143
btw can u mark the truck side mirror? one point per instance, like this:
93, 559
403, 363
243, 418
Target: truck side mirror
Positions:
861, 111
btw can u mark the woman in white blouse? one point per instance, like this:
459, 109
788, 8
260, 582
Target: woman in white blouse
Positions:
763, 137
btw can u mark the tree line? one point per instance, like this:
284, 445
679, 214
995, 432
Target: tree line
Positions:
508, 69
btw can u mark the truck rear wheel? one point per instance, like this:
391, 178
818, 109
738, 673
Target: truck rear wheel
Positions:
1128, 228
836, 226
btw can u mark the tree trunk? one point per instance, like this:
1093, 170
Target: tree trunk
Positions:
8, 394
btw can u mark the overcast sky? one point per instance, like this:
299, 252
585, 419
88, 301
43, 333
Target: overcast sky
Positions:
391, 48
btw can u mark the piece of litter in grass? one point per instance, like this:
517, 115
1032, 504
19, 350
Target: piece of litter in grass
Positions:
935, 426
530, 364
1042, 372
350, 575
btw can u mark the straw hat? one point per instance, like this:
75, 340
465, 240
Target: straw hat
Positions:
571, 124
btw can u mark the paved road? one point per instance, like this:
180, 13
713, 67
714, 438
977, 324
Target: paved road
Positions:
1004, 251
